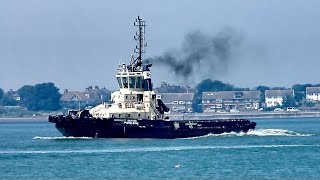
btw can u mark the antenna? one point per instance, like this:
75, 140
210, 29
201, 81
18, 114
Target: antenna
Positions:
140, 38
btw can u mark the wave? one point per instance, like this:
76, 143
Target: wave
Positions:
151, 149
275, 132
60, 138
256, 132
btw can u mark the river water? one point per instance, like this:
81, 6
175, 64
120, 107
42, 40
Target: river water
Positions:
276, 149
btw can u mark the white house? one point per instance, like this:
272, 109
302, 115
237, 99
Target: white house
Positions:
275, 97
313, 93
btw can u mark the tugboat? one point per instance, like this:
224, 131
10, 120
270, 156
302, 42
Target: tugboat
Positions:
135, 111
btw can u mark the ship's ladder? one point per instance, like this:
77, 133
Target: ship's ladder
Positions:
155, 110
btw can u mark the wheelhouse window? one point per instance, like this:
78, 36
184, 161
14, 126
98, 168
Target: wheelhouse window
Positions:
119, 82
125, 82
132, 82
139, 82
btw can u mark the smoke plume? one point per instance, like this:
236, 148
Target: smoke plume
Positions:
202, 55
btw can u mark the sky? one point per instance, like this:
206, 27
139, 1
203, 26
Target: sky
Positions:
79, 43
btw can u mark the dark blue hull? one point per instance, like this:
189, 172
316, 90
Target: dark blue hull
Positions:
145, 128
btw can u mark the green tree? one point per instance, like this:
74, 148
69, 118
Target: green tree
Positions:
1, 93
205, 86
2, 110
279, 88
299, 91
8, 100
27, 94
288, 101
43, 96
262, 90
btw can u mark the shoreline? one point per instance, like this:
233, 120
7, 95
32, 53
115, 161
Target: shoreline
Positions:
247, 115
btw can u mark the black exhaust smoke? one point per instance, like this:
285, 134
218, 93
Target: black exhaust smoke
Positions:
202, 55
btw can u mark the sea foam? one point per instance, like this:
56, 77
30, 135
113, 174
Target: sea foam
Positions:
60, 138
256, 132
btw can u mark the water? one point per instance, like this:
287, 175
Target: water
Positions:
277, 149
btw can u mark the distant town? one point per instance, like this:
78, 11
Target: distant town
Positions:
207, 97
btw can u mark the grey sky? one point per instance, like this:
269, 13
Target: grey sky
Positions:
77, 43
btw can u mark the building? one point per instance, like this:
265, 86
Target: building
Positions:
230, 100
275, 97
89, 97
75, 100
14, 94
313, 93
177, 102
98, 94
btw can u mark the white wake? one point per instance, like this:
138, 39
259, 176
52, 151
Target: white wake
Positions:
60, 138
275, 132
256, 132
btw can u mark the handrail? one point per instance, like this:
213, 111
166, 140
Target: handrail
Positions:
155, 110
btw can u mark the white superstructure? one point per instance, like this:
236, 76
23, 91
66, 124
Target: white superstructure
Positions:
135, 99
132, 100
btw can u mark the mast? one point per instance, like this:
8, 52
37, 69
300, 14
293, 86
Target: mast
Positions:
140, 38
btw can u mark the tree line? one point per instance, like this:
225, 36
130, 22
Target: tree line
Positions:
39, 97
46, 96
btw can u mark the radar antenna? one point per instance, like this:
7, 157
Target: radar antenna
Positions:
140, 38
